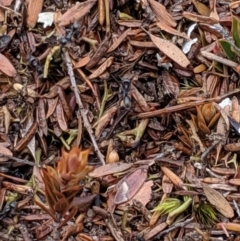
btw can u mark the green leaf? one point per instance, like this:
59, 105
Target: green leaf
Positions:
206, 214
168, 205
236, 30
218, 66
226, 46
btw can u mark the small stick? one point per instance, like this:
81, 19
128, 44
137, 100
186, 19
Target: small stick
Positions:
80, 104
184, 106
25, 234
107, 17
219, 59
236, 207
174, 226
79, 136
18, 160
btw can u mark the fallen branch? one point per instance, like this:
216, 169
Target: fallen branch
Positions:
81, 107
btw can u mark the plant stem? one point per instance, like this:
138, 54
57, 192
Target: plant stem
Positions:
171, 217
80, 105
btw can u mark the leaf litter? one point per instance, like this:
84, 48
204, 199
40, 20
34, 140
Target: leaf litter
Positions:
119, 120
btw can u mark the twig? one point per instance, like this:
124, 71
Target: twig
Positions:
184, 106
19, 160
107, 16
236, 208
219, 59
80, 104
176, 225
79, 136
25, 234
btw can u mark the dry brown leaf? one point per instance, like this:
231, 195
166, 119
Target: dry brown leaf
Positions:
130, 23
212, 83
139, 98
144, 194
234, 181
201, 8
233, 147
5, 151
142, 44
38, 178
176, 180
171, 83
171, 50
42, 120
130, 184
234, 5
81, 62
20, 87
224, 115
154, 231
198, 18
199, 69
119, 40
218, 201
162, 14
136, 31
51, 103
109, 169
6, 66
101, 69
214, 13
99, 53
61, 117
75, 13
235, 109
60, 30
6, 2
221, 129
192, 91
224, 171
104, 120
171, 30
34, 8
2, 15
167, 185
32, 142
